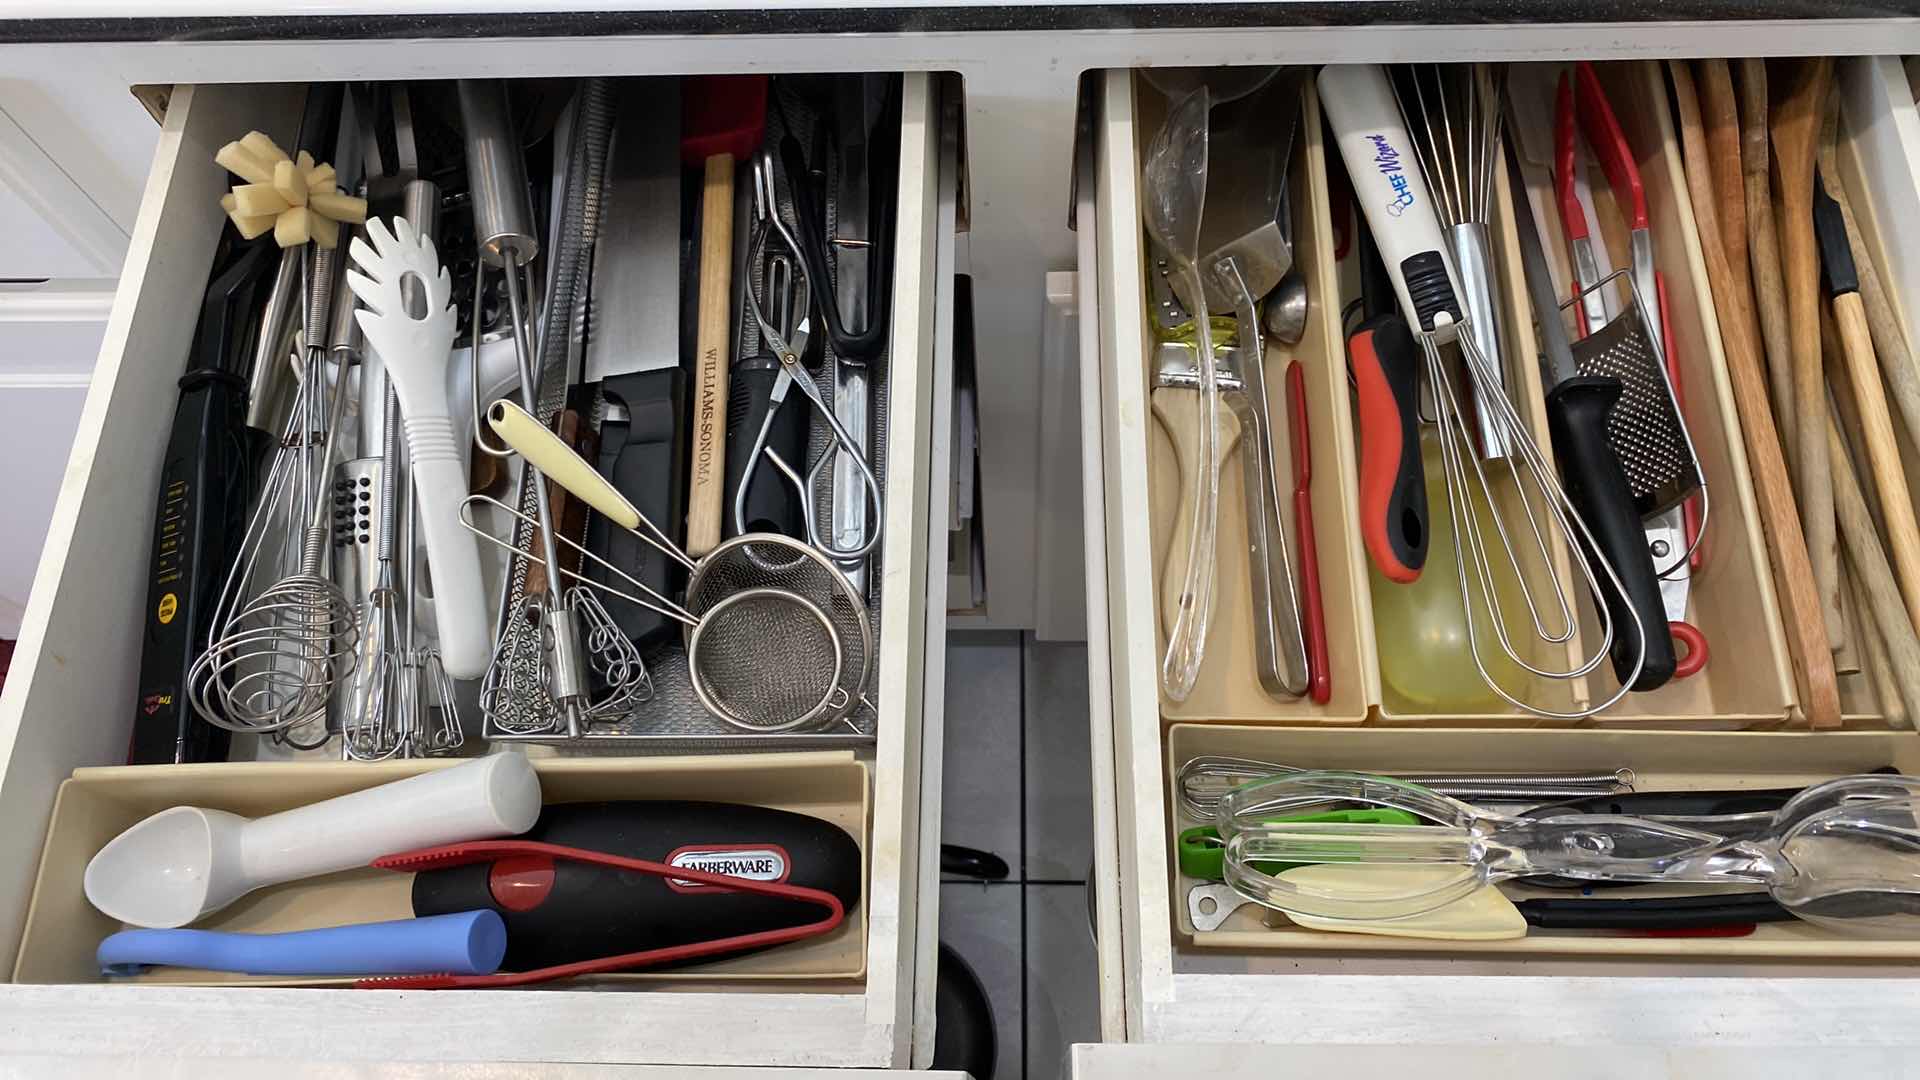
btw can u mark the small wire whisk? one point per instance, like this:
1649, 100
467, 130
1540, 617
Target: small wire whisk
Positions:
777, 637
277, 658
429, 704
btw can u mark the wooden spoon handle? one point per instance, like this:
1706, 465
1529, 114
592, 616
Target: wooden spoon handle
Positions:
1763, 245
1883, 449
1869, 561
1795, 133
1773, 493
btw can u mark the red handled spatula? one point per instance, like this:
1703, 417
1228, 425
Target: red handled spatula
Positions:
721, 120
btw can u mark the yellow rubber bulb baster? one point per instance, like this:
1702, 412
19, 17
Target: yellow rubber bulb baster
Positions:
1426, 660
544, 451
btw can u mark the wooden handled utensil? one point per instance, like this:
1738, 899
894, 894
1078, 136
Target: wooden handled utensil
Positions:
721, 121
1763, 240
1795, 131
1773, 492
1869, 561
1863, 374
1889, 339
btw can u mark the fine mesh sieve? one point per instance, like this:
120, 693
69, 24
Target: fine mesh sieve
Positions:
766, 660
763, 561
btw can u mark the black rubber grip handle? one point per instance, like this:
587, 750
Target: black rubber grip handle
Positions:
773, 504
1393, 483
1577, 411
560, 912
644, 458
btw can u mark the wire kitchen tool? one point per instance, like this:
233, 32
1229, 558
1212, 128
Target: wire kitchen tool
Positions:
794, 373
538, 674
1205, 779
777, 638
277, 659
1371, 132
376, 729
1844, 854
1458, 140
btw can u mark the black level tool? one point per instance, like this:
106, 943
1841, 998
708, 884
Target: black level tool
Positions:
205, 480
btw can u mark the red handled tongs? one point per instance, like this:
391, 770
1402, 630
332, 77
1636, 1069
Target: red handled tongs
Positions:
478, 851
1583, 101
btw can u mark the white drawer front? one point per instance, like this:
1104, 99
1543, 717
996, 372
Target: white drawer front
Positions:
68, 699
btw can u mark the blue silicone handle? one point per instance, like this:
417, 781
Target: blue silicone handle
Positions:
464, 943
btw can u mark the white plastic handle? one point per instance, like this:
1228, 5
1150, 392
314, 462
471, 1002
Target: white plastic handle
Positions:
497, 795
1385, 170
417, 349
548, 453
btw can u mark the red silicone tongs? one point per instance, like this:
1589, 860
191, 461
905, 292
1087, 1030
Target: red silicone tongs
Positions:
1582, 105
478, 851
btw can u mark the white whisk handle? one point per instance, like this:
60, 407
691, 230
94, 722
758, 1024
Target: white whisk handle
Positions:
1391, 190
453, 556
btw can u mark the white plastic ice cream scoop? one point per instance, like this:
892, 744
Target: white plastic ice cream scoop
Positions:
188, 862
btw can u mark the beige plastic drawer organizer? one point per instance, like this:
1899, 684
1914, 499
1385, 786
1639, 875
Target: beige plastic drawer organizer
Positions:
848, 998
1736, 724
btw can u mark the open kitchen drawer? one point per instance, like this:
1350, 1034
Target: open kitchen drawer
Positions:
1742, 728
66, 705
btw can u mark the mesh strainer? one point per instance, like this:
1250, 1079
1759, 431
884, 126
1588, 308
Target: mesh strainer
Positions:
755, 657
777, 637
769, 561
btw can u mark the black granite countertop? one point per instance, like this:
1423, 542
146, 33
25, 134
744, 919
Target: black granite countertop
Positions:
896, 19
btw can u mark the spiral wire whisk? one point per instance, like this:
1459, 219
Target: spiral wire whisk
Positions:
276, 659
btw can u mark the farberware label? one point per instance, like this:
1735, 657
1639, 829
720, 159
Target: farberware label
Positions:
760, 862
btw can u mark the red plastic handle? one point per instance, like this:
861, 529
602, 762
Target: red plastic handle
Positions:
1609, 144
1319, 674
1693, 655
1573, 219
1393, 487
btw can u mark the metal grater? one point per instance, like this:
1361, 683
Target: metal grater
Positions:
1645, 428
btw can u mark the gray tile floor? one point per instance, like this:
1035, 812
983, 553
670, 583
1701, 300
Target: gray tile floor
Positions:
1018, 784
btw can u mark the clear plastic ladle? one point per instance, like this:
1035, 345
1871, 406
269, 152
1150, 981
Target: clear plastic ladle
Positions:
1844, 854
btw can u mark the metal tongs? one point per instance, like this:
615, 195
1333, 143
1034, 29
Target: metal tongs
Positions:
794, 373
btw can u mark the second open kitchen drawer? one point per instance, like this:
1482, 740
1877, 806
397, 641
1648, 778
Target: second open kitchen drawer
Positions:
1742, 728
67, 702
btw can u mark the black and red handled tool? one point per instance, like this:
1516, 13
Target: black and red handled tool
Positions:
1385, 362
525, 865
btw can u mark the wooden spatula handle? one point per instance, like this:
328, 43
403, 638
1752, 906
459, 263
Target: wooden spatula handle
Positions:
1773, 493
1883, 449
1763, 241
1869, 560
706, 491
1795, 133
